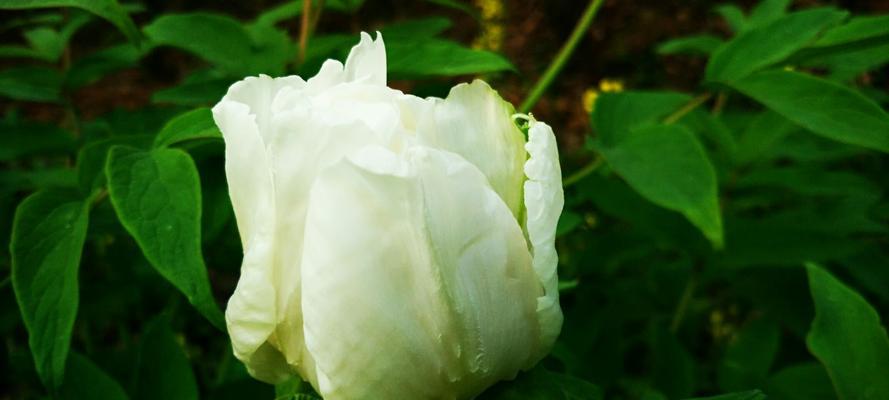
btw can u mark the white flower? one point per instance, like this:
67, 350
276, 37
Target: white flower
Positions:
394, 247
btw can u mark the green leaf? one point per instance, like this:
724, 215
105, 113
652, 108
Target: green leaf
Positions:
423, 57
568, 221
290, 9
696, 45
848, 50
458, 5
767, 11
219, 39
225, 42
749, 356
661, 227
764, 242
767, 45
733, 16
194, 124
714, 134
91, 159
282, 12
107, 9
615, 114
21, 52
323, 47
823, 107
18, 180
869, 271
195, 93
415, 28
20, 139
157, 197
764, 133
47, 239
810, 181
344, 5
94, 66
31, 84
673, 370
295, 389
849, 64
46, 42
749, 395
272, 50
540, 384
667, 165
847, 337
86, 380
807, 381
42, 18
163, 370
857, 29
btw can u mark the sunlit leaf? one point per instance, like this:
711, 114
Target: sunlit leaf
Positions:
766, 45
821, 106
195, 124
157, 196
669, 167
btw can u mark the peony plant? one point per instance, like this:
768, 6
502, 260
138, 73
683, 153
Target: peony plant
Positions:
395, 247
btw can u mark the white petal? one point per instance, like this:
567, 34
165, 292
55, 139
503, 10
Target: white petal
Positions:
278, 136
250, 316
544, 200
257, 94
477, 124
302, 146
367, 61
417, 282
331, 73
268, 365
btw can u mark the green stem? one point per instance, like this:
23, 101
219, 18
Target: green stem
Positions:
564, 54
684, 302
583, 172
687, 108
98, 197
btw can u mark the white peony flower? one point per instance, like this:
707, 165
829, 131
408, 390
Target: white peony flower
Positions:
394, 247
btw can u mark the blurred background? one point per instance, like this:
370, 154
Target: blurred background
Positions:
619, 45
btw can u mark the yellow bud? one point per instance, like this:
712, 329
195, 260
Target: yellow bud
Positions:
589, 99
611, 85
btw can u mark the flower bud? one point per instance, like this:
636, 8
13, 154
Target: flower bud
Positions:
394, 247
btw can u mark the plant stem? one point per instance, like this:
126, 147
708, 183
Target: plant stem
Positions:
98, 197
719, 104
583, 172
564, 54
687, 108
310, 16
305, 21
684, 302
